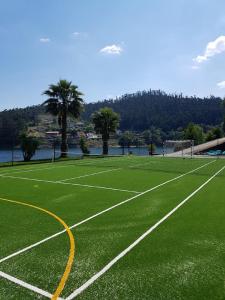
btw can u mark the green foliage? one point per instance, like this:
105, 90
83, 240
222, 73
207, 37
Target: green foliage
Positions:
83, 146
105, 121
129, 138
154, 135
15, 121
88, 127
64, 99
126, 139
209, 136
223, 104
142, 110
138, 141
167, 113
29, 146
194, 132
214, 133
224, 125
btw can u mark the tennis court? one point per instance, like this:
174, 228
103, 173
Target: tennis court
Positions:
113, 228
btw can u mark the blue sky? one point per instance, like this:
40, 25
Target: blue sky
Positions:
109, 48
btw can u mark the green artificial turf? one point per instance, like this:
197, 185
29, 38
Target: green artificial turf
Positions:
182, 259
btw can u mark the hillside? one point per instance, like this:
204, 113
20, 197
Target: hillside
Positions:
142, 110
137, 111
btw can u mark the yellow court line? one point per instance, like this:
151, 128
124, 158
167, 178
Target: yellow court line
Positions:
67, 271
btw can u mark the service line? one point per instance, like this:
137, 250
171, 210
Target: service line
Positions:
70, 183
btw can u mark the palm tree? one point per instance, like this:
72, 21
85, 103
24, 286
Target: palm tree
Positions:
64, 100
105, 122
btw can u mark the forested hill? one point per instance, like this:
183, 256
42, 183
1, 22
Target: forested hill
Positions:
13, 121
142, 110
137, 111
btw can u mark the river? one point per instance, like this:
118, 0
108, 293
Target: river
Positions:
6, 155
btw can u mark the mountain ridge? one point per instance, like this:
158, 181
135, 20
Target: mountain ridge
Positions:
138, 111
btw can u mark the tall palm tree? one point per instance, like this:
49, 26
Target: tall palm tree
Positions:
105, 121
64, 99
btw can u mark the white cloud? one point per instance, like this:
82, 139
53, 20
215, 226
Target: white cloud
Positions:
200, 58
215, 47
45, 40
112, 49
221, 84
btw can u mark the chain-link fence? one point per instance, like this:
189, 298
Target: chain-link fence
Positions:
48, 147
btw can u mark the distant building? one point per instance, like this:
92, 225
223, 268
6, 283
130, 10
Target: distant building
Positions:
52, 134
92, 136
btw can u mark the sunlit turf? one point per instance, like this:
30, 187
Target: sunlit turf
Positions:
182, 259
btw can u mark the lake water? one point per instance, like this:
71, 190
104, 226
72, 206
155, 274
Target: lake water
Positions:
6, 155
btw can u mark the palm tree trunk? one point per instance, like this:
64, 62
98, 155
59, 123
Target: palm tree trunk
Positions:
64, 145
105, 147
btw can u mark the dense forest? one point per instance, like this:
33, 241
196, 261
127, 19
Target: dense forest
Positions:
142, 110
13, 121
138, 112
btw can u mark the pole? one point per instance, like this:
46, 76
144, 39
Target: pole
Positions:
123, 147
54, 143
191, 148
217, 149
12, 159
151, 148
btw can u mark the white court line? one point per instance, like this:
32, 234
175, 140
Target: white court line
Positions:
34, 169
27, 285
53, 166
106, 171
100, 213
92, 174
68, 183
137, 241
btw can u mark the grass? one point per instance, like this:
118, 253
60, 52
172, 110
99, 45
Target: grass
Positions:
182, 259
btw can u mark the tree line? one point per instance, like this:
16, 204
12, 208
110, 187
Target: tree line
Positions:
157, 115
142, 110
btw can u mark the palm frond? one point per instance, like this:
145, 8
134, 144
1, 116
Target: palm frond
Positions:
64, 96
50, 100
